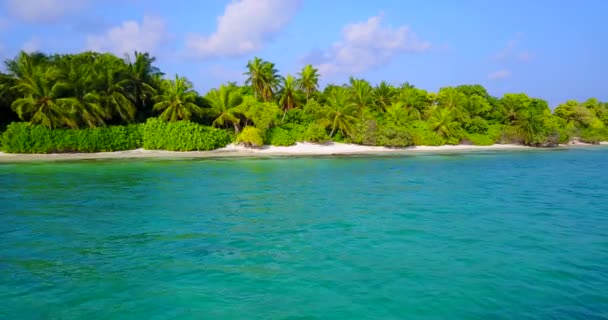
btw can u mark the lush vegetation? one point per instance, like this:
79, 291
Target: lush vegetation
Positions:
99, 102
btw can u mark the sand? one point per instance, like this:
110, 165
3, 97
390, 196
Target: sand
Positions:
300, 149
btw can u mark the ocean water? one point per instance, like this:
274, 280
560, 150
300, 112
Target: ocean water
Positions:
489, 235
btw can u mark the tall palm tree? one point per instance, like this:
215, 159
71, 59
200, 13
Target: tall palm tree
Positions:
225, 103
308, 80
25, 64
142, 74
417, 101
397, 114
289, 95
442, 121
455, 101
42, 101
338, 112
86, 103
361, 95
272, 81
384, 94
255, 77
263, 78
177, 101
113, 85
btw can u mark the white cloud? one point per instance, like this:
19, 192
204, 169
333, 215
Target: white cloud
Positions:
500, 74
525, 56
244, 27
367, 45
511, 51
130, 36
42, 11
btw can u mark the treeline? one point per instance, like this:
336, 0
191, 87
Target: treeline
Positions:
60, 95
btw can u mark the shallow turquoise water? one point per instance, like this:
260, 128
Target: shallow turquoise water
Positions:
507, 235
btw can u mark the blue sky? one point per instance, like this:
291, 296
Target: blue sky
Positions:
555, 50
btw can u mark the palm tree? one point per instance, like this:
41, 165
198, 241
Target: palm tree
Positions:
42, 102
113, 89
225, 103
271, 81
360, 95
397, 114
289, 95
416, 101
263, 78
442, 121
455, 101
25, 64
255, 76
384, 95
86, 103
308, 80
142, 74
338, 111
530, 125
177, 101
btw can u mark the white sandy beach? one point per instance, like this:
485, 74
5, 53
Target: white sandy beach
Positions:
300, 149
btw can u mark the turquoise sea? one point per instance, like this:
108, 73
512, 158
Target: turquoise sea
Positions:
487, 235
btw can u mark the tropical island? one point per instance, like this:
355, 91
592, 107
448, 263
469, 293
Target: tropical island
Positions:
98, 102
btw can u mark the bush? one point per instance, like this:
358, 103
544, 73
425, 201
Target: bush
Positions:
480, 139
21, 137
297, 116
593, 136
511, 134
182, 136
394, 137
477, 125
250, 137
278, 136
315, 133
423, 136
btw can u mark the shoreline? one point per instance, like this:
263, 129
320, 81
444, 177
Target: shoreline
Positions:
300, 149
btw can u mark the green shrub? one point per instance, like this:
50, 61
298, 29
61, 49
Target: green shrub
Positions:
394, 137
480, 139
338, 137
21, 137
477, 125
297, 116
594, 136
250, 137
423, 136
182, 136
511, 134
315, 133
278, 136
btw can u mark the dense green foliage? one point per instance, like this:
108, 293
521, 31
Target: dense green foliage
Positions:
250, 137
81, 92
21, 137
182, 136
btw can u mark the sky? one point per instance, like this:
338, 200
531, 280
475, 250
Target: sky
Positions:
554, 50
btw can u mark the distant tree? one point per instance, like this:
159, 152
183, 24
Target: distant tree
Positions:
288, 97
384, 94
442, 121
361, 95
225, 103
263, 78
177, 101
42, 102
308, 81
339, 111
